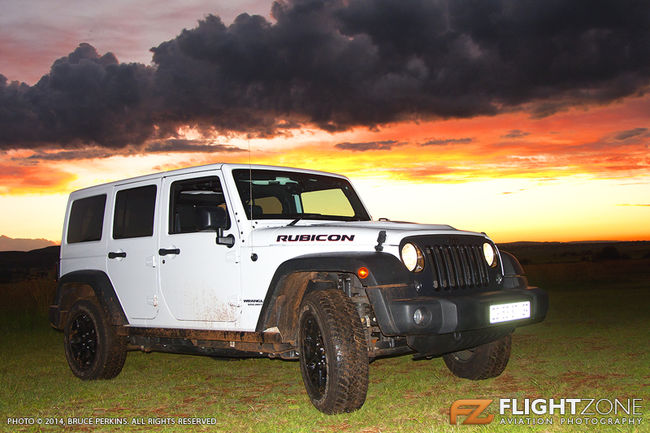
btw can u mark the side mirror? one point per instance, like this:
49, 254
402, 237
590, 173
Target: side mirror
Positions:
228, 241
215, 219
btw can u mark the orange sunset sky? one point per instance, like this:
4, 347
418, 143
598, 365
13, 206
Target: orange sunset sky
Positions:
541, 133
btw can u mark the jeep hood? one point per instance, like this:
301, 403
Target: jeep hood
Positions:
353, 232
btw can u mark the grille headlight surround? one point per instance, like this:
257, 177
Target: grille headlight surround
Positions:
489, 254
412, 257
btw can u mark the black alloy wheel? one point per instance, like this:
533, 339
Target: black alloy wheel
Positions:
83, 341
315, 358
333, 351
93, 348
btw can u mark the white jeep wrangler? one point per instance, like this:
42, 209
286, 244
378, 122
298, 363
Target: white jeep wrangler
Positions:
239, 260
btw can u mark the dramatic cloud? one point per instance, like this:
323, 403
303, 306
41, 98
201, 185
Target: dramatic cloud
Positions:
86, 98
624, 135
165, 146
446, 141
339, 64
189, 146
31, 179
515, 133
370, 145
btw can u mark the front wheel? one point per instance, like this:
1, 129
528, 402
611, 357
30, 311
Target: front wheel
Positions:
333, 352
481, 362
92, 348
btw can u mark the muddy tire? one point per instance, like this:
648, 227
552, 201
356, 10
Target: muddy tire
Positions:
92, 348
482, 362
333, 352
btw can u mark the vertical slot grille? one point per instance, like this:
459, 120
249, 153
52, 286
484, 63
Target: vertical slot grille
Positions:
457, 267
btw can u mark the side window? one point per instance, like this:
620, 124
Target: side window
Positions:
86, 219
134, 212
197, 205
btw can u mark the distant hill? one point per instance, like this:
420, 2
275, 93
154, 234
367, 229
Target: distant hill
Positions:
11, 244
25, 265
560, 252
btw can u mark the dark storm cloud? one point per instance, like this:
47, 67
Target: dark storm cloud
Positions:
85, 98
446, 141
338, 64
370, 145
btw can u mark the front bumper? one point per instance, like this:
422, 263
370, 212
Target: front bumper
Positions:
451, 313
452, 323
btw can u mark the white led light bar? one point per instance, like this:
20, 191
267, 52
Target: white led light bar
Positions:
507, 312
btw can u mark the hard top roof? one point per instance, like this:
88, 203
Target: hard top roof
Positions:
207, 167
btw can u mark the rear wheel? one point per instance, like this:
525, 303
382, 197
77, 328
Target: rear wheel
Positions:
333, 352
92, 348
481, 362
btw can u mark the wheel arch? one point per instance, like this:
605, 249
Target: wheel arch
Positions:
514, 276
87, 284
298, 276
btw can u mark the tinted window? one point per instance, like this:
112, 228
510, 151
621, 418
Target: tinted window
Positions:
134, 212
86, 219
197, 205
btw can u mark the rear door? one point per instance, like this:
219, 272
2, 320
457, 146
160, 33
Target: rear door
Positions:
131, 261
199, 279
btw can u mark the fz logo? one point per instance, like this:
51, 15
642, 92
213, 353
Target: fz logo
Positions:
473, 409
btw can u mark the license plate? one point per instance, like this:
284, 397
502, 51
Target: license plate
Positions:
507, 312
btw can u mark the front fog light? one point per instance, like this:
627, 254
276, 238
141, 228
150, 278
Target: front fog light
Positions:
412, 257
489, 254
418, 317
422, 316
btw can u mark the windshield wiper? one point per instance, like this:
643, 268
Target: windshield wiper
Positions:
293, 223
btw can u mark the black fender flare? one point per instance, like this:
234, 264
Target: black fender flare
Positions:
384, 269
514, 276
102, 289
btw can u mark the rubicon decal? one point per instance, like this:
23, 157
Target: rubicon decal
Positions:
315, 238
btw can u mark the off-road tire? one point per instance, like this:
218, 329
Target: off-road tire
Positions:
333, 352
92, 348
482, 362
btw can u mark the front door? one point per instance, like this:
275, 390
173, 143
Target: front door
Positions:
131, 260
199, 279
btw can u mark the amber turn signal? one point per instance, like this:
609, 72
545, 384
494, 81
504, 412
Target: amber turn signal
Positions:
363, 272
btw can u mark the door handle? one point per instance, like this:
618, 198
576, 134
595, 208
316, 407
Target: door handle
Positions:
165, 251
115, 255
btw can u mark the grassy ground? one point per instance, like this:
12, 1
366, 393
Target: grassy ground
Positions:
593, 344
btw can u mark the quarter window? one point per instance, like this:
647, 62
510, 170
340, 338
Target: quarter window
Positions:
86, 219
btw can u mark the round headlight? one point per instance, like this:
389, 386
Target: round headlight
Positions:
412, 257
489, 254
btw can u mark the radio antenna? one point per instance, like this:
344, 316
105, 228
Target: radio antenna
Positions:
250, 182
250, 198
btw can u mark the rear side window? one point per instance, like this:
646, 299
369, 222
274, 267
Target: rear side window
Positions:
134, 212
86, 219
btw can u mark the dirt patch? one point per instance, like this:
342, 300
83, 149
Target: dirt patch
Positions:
507, 383
578, 379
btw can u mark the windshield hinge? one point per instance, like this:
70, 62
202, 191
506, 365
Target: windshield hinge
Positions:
381, 238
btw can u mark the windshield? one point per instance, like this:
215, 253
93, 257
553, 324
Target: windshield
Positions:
291, 195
